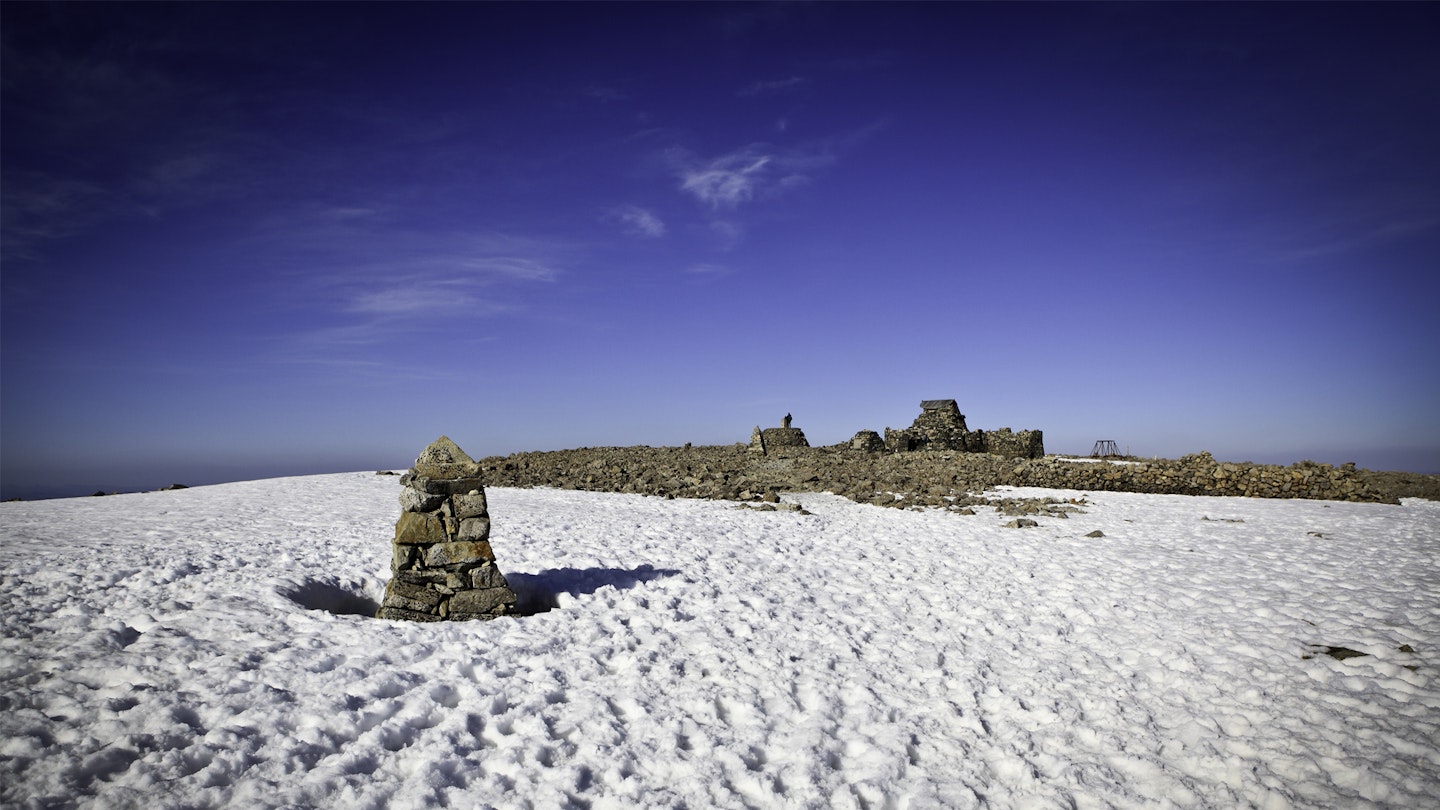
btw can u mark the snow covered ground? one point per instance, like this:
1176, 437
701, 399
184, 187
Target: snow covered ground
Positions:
202, 648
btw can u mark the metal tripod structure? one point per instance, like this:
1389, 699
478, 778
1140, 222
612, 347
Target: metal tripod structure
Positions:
1104, 448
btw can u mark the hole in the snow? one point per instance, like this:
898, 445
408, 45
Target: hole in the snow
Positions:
343, 598
540, 592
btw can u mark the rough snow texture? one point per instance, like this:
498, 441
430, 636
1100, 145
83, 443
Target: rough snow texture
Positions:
198, 648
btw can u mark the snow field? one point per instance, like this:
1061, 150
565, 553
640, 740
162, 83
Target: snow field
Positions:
202, 648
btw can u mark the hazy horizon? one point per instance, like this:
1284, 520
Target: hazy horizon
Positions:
154, 475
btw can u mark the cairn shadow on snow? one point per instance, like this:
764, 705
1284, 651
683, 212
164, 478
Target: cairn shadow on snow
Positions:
540, 592
342, 599
535, 593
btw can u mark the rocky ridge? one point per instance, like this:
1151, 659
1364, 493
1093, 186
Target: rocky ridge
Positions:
923, 478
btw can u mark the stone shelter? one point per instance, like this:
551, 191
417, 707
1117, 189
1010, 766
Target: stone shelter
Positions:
941, 426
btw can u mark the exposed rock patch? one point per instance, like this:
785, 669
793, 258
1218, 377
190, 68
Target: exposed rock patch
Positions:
921, 479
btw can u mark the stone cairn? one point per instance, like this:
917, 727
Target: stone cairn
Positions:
443, 568
761, 441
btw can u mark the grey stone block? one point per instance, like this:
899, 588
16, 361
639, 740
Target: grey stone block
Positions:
474, 529
415, 500
401, 614
483, 601
487, 576
458, 555
403, 558
415, 528
469, 504
414, 577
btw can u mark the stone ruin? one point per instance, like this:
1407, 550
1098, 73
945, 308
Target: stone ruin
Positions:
761, 441
442, 566
867, 441
941, 426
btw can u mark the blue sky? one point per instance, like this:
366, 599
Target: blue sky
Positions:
243, 240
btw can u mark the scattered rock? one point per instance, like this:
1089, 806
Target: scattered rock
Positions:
1338, 653
1096, 533
1021, 523
734, 472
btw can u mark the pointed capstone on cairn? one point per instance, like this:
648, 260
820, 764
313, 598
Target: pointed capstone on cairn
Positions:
443, 567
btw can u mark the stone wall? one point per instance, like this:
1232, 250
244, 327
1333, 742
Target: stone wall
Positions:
1016, 444
1200, 474
442, 566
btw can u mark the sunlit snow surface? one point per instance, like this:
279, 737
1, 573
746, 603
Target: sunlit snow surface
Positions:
203, 648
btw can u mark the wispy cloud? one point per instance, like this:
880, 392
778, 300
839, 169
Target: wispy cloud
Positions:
517, 268
728, 232
359, 287
707, 269
604, 94
772, 87
637, 221
433, 287
1343, 236
731, 180
421, 296
39, 208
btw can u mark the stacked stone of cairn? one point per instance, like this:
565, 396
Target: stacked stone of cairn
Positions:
443, 568
761, 441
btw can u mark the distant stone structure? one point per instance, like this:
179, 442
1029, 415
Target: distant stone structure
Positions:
867, 441
442, 566
762, 441
941, 426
